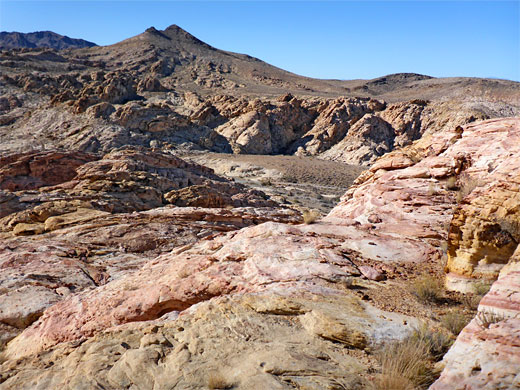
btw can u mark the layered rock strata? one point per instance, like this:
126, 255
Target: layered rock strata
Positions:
486, 354
290, 289
76, 221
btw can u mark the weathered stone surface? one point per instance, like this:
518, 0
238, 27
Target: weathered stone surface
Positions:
484, 231
486, 354
33, 170
251, 341
416, 179
86, 230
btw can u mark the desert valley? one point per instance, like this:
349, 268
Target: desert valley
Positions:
175, 216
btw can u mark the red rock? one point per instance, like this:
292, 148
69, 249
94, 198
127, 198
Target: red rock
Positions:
371, 273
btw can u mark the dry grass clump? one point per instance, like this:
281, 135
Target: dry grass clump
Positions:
455, 321
408, 364
217, 381
471, 300
428, 290
403, 366
486, 318
451, 183
310, 216
437, 342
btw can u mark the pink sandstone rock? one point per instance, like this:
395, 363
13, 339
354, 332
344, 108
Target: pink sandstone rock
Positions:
83, 226
413, 203
487, 356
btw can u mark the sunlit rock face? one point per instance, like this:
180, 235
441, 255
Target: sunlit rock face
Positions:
74, 221
287, 288
486, 354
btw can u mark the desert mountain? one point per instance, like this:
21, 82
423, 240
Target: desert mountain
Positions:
169, 89
126, 265
49, 39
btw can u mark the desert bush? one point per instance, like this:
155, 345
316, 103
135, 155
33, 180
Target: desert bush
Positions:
467, 185
472, 300
436, 342
310, 216
427, 290
486, 318
289, 179
455, 321
432, 189
451, 183
409, 364
217, 381
265, 181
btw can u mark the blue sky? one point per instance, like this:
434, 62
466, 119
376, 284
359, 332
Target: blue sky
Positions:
325, 39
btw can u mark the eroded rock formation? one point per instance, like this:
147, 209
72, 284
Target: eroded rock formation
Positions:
74, 221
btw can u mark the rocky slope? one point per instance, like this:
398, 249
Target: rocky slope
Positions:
74, 221
48, 39
168, 89
281, 306
124, 266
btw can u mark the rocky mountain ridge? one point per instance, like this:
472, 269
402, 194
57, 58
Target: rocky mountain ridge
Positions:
48, 39
170, 90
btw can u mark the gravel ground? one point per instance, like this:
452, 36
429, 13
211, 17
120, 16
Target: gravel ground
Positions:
301, 182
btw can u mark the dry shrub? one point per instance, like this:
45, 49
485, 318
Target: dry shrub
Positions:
403, 366
310, 216
432, 189
472, 300
487, 318
428, 290
451, 183
436, 342
467, 185
217, 381
408, 364
455, 321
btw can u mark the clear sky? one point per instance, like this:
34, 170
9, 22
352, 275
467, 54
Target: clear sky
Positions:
325, 39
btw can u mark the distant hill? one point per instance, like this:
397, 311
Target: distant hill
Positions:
11, 40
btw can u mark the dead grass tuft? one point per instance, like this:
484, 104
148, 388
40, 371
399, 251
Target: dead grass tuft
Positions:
455, 321
451, 183
466, 186
428, 290
472, 300
310, 216
408, 364
217, 381
486, 318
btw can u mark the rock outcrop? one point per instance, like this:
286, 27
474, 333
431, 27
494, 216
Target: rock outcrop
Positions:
486, 354
168, 89
124, 266
275, 285
73, 221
